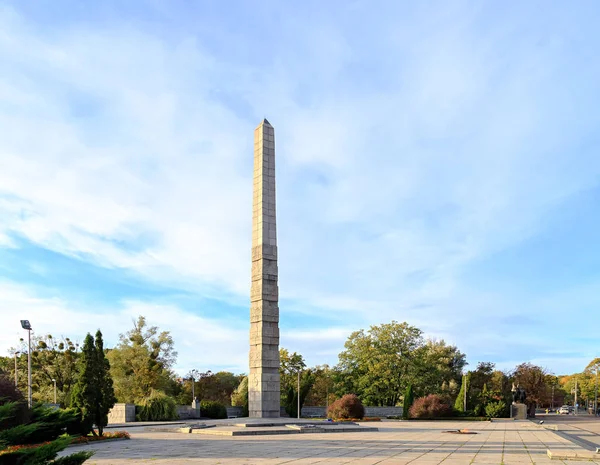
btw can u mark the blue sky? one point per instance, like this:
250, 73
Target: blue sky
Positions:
437, 163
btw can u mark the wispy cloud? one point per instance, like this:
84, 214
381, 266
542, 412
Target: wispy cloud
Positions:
413, 144
202, 343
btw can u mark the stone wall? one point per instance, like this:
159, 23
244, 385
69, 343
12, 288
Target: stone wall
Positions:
380, 412
122, 413
383, 412
234, 412
186, 412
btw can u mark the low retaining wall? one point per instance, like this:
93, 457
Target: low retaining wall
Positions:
121, 413
187, 412
380, 412
235, 412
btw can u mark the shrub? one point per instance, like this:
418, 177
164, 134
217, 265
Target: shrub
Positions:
39, 440
479, 410
9, 394
431, 406
495, 409
157, 407
212, 409
345, 408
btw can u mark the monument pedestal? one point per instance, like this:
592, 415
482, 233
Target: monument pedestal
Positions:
518, 411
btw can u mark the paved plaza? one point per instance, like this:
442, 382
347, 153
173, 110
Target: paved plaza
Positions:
425, 443
583, 428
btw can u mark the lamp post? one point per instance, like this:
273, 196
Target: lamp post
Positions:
193, 392
54, 381
27, 326
16, 370
192, 374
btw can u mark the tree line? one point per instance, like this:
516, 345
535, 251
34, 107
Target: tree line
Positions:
378, 365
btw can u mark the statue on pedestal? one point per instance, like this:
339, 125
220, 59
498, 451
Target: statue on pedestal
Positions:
518, 394
518, 409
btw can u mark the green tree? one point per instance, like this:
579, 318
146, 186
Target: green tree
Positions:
217, 387
378, 364
93, 394
104, 386
459, 404
500, 384
240, 396
55, 359
593, 369
322, 391
409, 398
436, 364
52, 358
85, 391
142, 361
291, 367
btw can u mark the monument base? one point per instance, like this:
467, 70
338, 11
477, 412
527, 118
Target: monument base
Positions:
518, 411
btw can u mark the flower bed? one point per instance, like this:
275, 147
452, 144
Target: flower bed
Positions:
451, 419
104, 437
11, 449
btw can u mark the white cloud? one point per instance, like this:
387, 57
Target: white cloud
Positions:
132, 150
202, 343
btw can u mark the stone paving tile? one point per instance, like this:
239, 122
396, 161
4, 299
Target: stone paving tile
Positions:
397, 443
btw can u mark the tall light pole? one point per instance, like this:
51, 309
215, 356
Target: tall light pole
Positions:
16, 370
54, 381
192, 374
27, 326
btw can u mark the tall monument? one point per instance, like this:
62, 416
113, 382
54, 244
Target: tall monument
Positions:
263, 380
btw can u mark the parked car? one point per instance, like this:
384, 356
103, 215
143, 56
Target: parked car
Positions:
564, 410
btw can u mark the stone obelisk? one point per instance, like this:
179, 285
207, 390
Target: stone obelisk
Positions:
263, 380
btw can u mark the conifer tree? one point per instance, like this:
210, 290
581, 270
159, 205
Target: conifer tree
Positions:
84, 395
409, 398
459, 404
106, 395
93, 394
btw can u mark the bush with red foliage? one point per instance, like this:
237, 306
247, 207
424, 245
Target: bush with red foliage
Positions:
347, 407
432, 406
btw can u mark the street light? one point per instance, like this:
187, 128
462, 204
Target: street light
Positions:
192, 374
27, 326
16, 370
54, 381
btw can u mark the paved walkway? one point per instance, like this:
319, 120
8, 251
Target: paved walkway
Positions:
415, 443
582, 428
